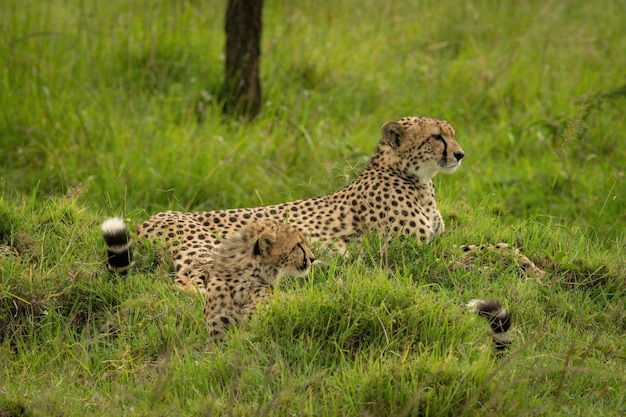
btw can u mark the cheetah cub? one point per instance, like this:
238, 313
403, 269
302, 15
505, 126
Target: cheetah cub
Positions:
240, 272
245, 269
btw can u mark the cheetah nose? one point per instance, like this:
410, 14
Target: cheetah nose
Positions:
459, 155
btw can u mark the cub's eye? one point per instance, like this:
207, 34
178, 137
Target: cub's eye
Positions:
438, 137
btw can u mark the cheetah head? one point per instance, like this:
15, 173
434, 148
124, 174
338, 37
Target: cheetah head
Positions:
282, 251
421, 147
267, 250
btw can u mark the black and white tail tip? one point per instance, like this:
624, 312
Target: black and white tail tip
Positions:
499, 321
117, 238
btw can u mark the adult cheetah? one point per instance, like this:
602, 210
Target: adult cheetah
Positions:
394, 194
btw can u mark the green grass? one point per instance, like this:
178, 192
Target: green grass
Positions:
107, 108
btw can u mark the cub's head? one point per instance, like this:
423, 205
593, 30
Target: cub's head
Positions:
421, 146
270, 249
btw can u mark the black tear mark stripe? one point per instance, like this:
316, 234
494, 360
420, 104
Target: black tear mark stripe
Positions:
445, 150
304, 260
444, 160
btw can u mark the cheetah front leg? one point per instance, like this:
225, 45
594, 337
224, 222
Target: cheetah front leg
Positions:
218, 322
190, 281
224, 309
191, 270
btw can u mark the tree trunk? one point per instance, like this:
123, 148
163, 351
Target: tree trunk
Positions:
242, 87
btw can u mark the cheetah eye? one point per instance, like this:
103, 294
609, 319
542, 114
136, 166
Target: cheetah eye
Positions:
438, 137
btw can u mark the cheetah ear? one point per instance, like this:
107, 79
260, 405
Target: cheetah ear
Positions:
392, 133
264, 244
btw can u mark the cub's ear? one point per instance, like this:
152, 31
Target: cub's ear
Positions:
264, 244
392, 133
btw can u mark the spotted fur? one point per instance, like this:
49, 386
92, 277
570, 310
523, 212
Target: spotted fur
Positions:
9, 252
524, 264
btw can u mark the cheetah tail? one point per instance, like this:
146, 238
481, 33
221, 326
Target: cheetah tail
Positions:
499, 321
118, 242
